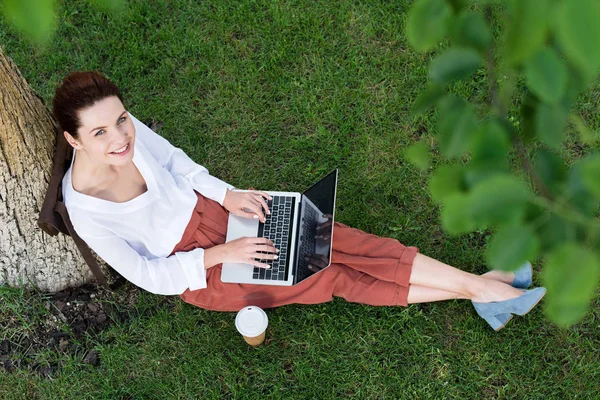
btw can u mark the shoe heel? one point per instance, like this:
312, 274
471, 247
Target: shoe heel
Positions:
497, 321
503, 320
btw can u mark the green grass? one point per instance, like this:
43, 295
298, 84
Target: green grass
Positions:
305, 86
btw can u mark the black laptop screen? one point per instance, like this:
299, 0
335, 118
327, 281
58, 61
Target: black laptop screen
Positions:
317, 225
322, 193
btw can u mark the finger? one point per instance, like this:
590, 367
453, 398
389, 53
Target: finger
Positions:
258, 264
330, 216
268, 248
244, 214
265, 256
261, 240
263, 203
256, 209
254, 200
263, 194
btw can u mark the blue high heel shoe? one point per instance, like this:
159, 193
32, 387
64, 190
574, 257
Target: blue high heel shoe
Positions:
522, 280
494, 312
523, 276
500, 321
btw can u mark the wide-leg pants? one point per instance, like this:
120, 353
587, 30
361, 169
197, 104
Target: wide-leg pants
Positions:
365, 268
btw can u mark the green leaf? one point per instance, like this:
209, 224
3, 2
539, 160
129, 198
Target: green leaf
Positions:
34, 18
427, 99
554, 231
458, 5
534, 213
454, 63
586, 135
457, 123
427, 23
446, 180
590, 170
481, 172
490, 145
455, 216
472, 30
418, 154
577, 187
578, 33
550, 124
571, 276
546, 75
527, 29
550, 169
499, 199
511, 246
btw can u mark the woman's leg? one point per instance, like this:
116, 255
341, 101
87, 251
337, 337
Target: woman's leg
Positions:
421, 294
430, 273
501, 276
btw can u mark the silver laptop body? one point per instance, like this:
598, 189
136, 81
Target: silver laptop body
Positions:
238, 227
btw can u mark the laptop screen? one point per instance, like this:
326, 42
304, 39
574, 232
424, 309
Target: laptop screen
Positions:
318, 204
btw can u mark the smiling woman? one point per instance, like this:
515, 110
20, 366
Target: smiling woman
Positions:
160, 220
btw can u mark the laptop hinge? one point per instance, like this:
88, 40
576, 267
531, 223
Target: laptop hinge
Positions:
297, 247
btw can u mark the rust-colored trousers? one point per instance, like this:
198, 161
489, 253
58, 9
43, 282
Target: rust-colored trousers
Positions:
365, 268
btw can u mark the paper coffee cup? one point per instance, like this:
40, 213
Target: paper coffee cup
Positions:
251, 322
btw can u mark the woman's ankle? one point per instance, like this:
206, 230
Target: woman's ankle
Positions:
495, 291
500, 276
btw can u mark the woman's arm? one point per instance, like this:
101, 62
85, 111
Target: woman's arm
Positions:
174, 274
161, 275
178, 163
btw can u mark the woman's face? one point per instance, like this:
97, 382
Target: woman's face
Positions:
107, 134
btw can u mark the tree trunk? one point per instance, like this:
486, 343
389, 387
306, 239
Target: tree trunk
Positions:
28, 256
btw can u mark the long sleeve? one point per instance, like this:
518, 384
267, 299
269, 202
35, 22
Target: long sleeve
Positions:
178, 163
162, 275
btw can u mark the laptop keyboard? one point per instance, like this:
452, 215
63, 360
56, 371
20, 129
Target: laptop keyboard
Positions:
277, 227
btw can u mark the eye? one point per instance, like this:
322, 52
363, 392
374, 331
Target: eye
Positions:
123, 120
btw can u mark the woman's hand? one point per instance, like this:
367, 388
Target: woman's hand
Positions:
247, 204
244, 250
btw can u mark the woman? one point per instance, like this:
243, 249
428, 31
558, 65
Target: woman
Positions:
160, 220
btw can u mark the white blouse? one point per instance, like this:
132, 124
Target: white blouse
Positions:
136, 237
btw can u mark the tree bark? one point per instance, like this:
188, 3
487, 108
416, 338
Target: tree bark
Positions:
28, 256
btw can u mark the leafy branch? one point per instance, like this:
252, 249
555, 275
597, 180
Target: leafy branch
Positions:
555, 46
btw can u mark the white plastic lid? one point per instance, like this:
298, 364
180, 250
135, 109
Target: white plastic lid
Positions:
251, 321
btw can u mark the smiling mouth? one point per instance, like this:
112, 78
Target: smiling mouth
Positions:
121, 150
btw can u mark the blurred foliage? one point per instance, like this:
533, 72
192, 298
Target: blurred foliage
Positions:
555, 46
36, 19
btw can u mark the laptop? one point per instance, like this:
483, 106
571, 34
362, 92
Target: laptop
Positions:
292, 226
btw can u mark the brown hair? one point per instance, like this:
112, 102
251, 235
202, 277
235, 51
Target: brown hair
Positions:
78, 91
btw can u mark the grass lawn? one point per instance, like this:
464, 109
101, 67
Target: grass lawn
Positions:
274, 95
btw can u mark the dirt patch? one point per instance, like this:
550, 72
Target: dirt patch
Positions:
74, 318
